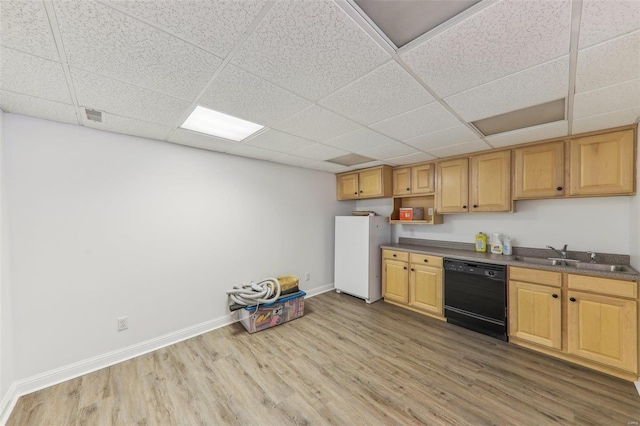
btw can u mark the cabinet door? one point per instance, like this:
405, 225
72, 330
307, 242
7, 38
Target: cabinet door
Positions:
402, 181
422, 178
453, 186
396, 281
539, 171
603, 329
535, 313
370, 182
425, 288
602, 164
491, 182
348, 186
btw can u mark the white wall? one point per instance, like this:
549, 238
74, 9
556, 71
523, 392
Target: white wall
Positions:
6, 324
106, 225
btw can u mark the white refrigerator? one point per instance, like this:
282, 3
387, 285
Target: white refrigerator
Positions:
358, 265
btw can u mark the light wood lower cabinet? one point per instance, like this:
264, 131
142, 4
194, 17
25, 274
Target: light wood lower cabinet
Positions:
603, 329
535, 313
395, 276
415, 283
588, 320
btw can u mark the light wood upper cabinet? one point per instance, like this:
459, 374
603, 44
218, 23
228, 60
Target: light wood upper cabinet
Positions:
535, 313
491, 182
348, 186
603, 329
453, 186
414, 180
539, 171
402, 181
368, 183
423, 179
602, 164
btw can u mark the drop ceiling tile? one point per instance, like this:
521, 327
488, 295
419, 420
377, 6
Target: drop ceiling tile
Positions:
426, 119
102, 40
452, 136
412, 158
319, 152
359, 140
383, 93
396, 149
252, 152
507, 37
603, 20
24, 26
130, 126
327, 167
215, 26
309, 47
274, 140
37, 107
292, 160
607, 121
317, 123
533, 86
460, 149
199, 140
530, 134
608, 99
105, 94
30, 75
241, 94
608, 63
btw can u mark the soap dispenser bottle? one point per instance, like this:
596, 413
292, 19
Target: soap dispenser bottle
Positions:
481, 242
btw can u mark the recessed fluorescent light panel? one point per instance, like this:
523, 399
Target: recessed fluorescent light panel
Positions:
214, 123
350, 160
403, 21
522, 118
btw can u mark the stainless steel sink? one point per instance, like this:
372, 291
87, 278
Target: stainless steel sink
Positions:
605, 267
576, 264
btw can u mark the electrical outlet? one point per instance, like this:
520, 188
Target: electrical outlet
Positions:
123, 323
307, 276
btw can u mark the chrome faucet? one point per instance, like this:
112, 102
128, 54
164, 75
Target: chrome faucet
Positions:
562, 252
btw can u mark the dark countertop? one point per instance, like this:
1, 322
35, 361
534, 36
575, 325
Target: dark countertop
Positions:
500, 259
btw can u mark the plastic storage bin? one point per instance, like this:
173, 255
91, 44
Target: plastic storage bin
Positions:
283, 310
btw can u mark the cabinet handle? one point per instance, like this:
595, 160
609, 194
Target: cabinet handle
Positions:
426, 261
475, 206
408, 189
395, 255
573, 299
555, 296
559, 188
412, 269
464, 207
405, 268
355, 193
361, 192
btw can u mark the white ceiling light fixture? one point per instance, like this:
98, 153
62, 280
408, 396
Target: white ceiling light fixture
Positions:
214, 123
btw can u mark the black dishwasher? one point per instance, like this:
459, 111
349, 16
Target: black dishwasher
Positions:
475, 297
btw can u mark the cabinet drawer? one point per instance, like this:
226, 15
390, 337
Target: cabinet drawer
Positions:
535, 276
603, 286
426, 260
394, 254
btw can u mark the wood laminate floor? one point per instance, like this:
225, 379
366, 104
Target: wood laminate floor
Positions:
345, 363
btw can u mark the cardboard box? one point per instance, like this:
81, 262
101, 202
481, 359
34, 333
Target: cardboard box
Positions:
411, 213
266, 316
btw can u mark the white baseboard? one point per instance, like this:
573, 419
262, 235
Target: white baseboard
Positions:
80, 368
7, 403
